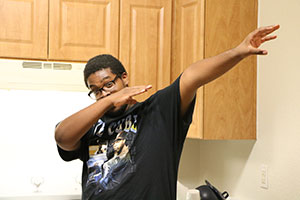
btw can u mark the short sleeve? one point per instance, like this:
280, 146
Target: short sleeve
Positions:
68, 155
167, 102
80, 153
170, 98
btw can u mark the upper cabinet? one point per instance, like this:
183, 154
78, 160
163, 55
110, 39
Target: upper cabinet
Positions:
187, 48
225, 107
79, 30
230, 101
145, 42
58, 29
24, 28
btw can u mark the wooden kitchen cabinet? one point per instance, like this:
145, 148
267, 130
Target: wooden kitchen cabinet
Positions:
230, 101
188, 47
145, 42
225, 107
79, 30
24, 28
59, 29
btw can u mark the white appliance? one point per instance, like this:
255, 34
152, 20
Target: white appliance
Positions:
41, 75
184, 193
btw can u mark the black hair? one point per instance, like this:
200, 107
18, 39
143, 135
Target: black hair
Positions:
100, 62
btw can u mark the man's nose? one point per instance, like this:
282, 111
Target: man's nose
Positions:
105, 93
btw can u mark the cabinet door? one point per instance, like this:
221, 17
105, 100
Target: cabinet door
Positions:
24, 28
145, 44
187, 48
80, 30
230, 101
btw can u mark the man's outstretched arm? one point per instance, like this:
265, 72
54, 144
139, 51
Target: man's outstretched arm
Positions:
209, 69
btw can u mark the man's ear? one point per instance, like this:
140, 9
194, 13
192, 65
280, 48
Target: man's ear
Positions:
125, 78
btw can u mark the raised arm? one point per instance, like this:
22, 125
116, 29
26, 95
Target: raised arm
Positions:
209, 69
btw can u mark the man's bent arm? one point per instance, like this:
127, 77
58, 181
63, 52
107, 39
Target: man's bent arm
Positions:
69, 131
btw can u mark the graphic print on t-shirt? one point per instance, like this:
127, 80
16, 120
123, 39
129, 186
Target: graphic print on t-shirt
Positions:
111, 159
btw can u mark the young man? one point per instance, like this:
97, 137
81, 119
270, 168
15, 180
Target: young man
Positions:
132, 150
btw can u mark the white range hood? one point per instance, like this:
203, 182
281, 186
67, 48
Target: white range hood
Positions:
41, 75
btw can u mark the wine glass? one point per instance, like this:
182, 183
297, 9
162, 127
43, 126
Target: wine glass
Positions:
78, 181
37, 181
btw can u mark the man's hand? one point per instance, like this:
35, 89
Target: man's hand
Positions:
125, 96
251, 44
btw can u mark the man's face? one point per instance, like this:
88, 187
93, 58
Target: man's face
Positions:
118, 144
103, 83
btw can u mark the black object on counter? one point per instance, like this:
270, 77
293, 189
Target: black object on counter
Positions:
209, 192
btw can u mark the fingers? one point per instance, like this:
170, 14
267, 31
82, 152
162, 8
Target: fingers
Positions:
261, 52
148, 87
145, 88
266, 30
258, 51
274, 27
125, 96
259, 36
136, 90
271, 37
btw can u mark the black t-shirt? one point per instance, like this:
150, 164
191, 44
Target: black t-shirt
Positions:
136, 155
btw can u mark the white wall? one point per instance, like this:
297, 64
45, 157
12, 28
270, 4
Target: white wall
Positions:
27, 145
235, 165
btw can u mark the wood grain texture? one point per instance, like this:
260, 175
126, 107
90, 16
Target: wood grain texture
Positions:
145, 42
80, 30
24, 29
187, 48
230, 101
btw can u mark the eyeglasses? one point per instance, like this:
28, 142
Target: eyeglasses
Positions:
96, 94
